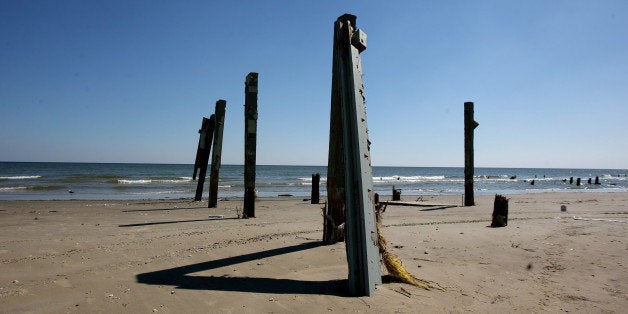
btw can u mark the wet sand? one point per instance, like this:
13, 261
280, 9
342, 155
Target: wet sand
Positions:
179, 256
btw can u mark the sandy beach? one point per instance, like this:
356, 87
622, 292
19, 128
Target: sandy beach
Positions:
179, 256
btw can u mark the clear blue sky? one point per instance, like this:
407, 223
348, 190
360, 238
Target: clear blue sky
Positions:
129, 81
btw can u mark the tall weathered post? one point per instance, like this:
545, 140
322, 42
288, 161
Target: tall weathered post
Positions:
316, 180
250, 144
469, 127
207, 135
361, 233
334, 215
216, 153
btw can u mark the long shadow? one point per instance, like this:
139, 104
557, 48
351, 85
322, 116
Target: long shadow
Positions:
158, 209
181, 278
438, 208
172, 222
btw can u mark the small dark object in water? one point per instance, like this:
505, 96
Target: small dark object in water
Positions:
570, 180
532, 182
70, 191
564, 180
597, 180
589, 181
513, 177
578, 182
285, 195
500, 212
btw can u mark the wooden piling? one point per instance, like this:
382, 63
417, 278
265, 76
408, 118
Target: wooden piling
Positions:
597, 180
500, 212
570, 180
214, 173
197, 161
396, 194
361, 234
316, 178
578, 182
207, 135
250, 144
334, 214
469, 127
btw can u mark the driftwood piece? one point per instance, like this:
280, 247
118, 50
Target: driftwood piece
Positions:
500, 212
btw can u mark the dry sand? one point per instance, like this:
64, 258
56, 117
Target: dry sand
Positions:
171, 256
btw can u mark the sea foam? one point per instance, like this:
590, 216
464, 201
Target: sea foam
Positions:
12, 188
20, 177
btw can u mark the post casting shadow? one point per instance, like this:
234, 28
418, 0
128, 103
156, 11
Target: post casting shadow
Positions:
438, 208
181, 278
172, 222
159, 209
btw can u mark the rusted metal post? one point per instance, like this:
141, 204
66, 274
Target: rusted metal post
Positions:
361, 234
214, 173
250, 144
207, 135
316, 178
469, 127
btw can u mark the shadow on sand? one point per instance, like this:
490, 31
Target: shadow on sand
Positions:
159, 209
180, 276
172, 222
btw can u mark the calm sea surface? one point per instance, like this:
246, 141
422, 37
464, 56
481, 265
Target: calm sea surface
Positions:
51, 181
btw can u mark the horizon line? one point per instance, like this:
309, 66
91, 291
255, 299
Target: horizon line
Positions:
295, 165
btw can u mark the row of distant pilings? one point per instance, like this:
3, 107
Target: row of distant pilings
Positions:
212, 131
578, 181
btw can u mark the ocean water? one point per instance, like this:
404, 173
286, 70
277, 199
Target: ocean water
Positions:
52, 181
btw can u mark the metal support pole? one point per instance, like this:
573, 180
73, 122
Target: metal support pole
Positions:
216, 153
250, 144
469, 127
361, 234
207, 135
